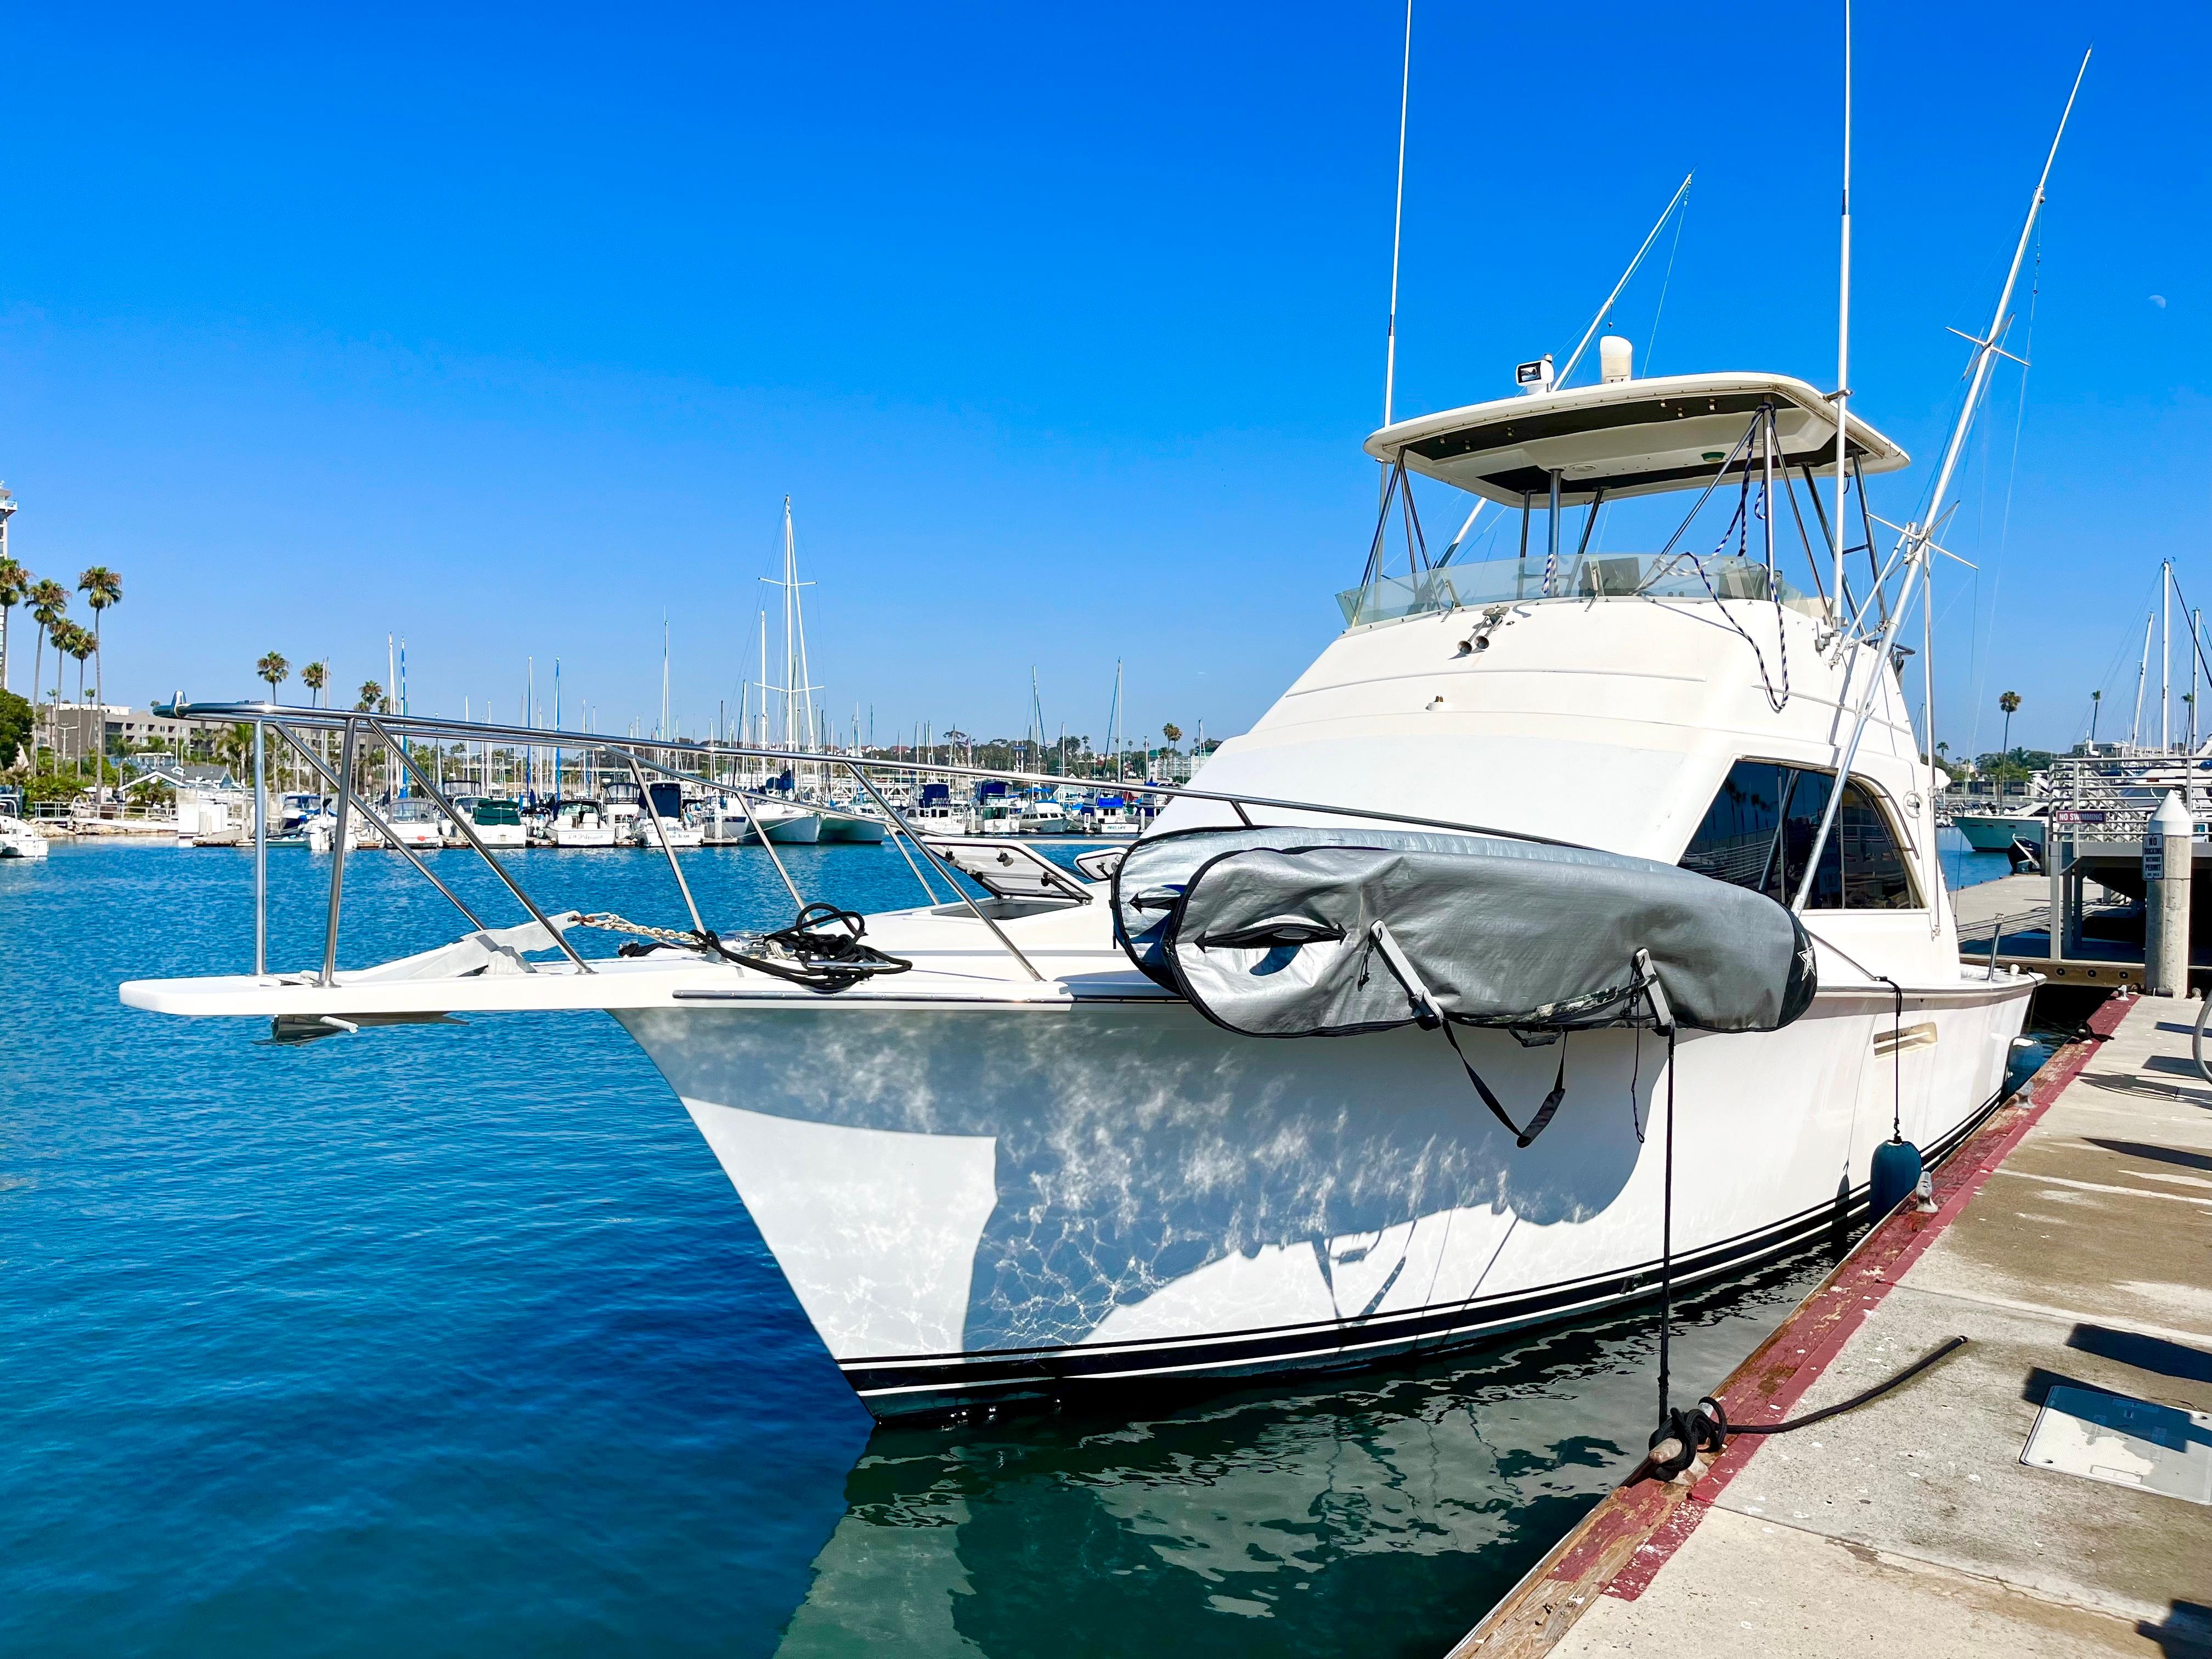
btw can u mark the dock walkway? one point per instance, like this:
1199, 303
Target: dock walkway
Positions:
2016, 911
2070, 1246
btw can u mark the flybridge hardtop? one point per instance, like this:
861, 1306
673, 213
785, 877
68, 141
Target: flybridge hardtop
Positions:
1624, 437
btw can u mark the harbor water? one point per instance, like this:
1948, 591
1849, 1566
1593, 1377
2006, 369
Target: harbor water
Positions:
454, 1338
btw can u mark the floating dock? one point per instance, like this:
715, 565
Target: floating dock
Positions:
2012, 913
2046, 1489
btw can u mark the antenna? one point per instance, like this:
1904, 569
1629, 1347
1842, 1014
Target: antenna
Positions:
1398, 223
1843, 328
1583, 345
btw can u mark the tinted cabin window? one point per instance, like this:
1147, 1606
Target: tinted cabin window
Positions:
1874, 868
1809, 798
1760, 831
1736, 842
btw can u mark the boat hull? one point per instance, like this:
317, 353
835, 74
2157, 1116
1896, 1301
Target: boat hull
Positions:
988, 1204
838, 826
1991, 832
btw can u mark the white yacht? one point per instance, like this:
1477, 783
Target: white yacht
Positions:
1994, 832
848, 821
497, 821
1041, 814
646, 831
416, 821
733, 822
1043, 1144
18, 838
935, 815
1109, 816
582, 823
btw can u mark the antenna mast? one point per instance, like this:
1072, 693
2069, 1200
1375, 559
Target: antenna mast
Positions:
1398, 223
1844, 327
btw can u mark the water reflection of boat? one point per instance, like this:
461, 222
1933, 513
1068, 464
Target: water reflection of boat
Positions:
1429, 1492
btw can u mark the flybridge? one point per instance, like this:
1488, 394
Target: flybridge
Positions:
1625, 437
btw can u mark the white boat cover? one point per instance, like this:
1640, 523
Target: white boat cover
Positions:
1273, 933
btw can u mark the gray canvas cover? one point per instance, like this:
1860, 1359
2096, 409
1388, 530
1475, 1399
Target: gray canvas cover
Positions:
1280, 941
1152, 876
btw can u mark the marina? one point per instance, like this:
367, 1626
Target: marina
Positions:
2048, 1490
1606, 1048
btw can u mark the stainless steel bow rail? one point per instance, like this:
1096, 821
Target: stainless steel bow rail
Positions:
640, 757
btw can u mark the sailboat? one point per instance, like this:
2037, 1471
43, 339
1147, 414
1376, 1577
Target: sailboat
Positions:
834, 821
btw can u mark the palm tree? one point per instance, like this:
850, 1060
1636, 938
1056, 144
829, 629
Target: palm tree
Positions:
82, 645
372, 698
14, 583
1172, 733
273, 668
101, 588
49, 600
2010, 702
315, 676
2096, 702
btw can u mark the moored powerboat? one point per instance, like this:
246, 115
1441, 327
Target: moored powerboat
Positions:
581, 823
1015, 1156
1392, 1035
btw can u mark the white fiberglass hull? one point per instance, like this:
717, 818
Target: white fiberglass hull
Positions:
992, 1203
1994, 832
850, 826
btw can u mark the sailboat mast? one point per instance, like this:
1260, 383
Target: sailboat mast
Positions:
2142, 679
2165, 653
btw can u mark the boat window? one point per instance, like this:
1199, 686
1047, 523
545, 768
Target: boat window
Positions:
497, 811
1760, 831
1874, 877
1737, 842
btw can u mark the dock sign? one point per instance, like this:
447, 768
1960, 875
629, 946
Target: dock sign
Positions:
2154, 855
2076, 815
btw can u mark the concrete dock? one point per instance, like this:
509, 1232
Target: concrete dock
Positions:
2071, 1244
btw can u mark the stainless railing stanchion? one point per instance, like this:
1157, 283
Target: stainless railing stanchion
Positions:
928, 893
1028, 967
653, 813
338, 856
260, 850
468, 833
382, 828
744, 802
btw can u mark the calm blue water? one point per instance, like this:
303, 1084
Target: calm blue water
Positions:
1965, 867
454, 1339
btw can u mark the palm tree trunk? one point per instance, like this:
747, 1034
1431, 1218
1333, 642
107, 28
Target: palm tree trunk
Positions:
100, 741
38, 667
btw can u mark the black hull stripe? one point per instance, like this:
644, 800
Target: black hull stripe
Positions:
892, 1384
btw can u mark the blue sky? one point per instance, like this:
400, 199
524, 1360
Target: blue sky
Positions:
508, 330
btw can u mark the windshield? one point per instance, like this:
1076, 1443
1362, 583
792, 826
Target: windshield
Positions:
498, 811
1590, 576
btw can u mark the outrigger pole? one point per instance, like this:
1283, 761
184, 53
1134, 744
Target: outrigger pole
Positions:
1575, 356
1918, 537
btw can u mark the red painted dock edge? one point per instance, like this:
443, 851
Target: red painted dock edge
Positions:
1622, 1544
